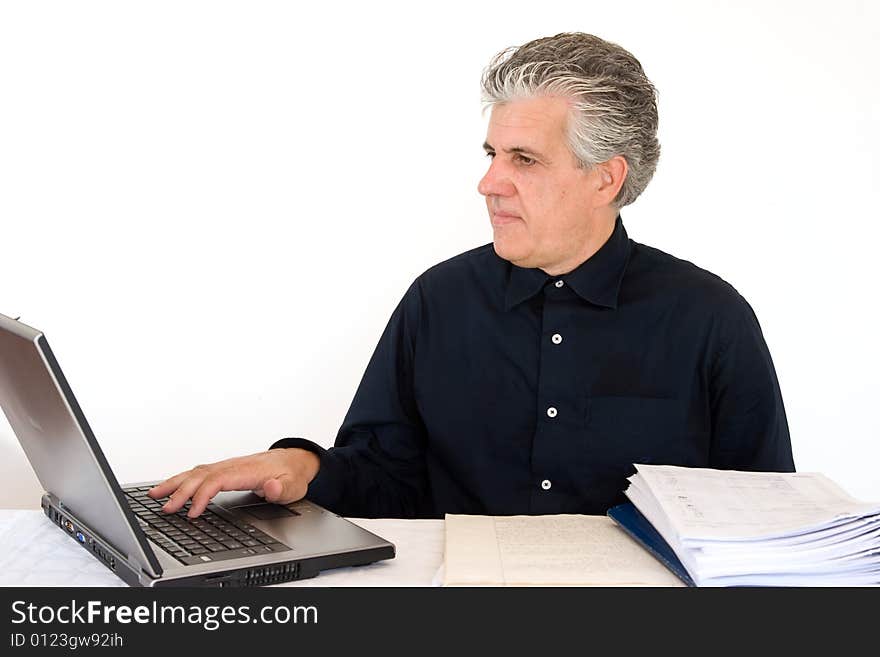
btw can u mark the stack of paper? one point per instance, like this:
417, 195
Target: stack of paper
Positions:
731, 528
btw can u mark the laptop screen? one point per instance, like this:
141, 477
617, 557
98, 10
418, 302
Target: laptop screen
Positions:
59, 443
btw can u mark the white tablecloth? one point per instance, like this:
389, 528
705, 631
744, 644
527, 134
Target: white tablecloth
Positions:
34, 552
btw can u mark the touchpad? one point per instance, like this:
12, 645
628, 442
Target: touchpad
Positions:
266, 511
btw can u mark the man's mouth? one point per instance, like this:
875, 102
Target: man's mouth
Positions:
500, 218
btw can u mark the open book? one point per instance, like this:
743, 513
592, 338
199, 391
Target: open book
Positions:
550, 550
732, 528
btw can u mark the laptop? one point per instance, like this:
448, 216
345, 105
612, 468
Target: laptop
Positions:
240, 540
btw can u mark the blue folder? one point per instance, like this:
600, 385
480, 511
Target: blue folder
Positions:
637, 526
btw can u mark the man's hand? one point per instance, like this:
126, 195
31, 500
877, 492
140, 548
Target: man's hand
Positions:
279, 475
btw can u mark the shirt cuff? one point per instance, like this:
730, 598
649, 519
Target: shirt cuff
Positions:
326, 488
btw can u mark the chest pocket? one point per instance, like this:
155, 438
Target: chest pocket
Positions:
626, 430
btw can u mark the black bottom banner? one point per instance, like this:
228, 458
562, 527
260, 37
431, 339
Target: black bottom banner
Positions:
451, 620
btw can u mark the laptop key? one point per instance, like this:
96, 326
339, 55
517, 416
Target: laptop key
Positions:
214, 556
253, 532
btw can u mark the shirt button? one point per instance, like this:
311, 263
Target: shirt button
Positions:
551, 412
546, 484
559, 283
556, 338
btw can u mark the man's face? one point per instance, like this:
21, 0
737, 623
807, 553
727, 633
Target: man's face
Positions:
541, 204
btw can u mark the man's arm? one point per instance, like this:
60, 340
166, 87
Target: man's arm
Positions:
749, 426
375, 469
377, 466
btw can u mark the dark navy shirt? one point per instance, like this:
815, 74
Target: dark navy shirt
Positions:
500, 390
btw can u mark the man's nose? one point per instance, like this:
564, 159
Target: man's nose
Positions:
496, 182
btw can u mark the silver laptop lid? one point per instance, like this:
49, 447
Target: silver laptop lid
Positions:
59, 443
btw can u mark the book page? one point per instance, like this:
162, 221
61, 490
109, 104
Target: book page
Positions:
574, 550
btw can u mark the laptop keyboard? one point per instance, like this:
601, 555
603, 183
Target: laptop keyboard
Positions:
214, 536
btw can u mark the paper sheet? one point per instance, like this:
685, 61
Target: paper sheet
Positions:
703, 504
574, 550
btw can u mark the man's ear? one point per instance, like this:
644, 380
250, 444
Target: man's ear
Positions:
611, 175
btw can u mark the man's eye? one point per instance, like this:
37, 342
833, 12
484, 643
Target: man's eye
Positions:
490, 154
525, 160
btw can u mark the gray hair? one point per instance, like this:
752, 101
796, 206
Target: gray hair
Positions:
614, 104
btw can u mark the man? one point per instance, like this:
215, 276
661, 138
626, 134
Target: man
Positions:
529, 375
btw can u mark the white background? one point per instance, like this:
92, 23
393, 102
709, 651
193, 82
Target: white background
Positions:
212, 208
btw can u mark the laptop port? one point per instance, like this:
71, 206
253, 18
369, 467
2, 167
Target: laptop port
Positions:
80, 537
67, 525
106, 557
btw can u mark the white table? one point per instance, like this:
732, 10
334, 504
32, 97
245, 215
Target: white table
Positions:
34, 552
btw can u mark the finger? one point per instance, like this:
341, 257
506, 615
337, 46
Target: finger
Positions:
165, 488
230, 478
273, 490
185, 490
284, 489
212, 485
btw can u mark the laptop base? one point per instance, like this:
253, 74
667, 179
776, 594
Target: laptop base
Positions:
275, 573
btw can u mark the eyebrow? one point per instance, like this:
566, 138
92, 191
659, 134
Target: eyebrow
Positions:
515, 149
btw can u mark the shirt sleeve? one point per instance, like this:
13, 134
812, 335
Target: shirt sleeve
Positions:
376, 467
749, 426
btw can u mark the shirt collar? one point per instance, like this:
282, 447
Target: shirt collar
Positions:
596, 280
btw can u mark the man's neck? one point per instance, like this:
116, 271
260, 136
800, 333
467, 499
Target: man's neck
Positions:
602, 231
